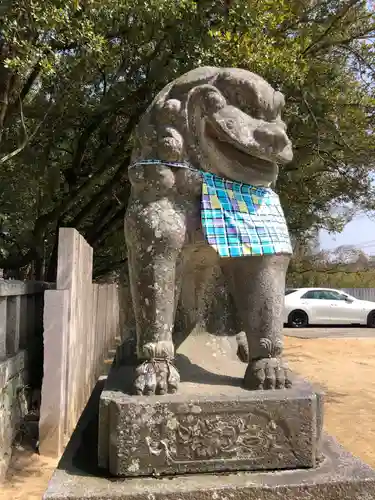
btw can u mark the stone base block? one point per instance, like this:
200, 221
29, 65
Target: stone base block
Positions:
339, 476
13, 404
210, 430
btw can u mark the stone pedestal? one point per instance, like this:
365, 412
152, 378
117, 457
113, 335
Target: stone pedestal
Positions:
212, 424
215, 429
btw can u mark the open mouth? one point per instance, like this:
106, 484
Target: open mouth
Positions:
233, 148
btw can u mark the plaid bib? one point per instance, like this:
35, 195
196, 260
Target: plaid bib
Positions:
238, 219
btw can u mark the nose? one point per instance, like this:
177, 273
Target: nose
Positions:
271, 136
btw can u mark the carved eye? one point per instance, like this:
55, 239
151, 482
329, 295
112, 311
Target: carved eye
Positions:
245, 100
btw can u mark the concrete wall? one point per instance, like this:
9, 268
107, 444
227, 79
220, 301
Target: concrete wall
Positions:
81, 324
21, 330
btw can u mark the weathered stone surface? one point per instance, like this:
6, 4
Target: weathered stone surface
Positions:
81, 324
15, 287
243, 430
339, 476
13, 405
212, 424
53, 400
13, 325
227, 122
3, 327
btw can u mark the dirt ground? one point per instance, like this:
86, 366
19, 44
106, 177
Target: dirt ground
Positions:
345, 368
28, 476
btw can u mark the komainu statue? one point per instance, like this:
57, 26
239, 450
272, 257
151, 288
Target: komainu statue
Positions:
206, 152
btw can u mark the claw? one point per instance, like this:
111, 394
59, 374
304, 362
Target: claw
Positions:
173, 379
280, 378
242, 348
162, 383
157, 376
267, 374
270, 382
288, 382
139, 384
260, 375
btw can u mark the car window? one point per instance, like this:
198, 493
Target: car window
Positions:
289, 290
324, 295
312, 294
336, 295
320, 295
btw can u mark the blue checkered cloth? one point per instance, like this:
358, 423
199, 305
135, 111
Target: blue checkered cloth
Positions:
238, 219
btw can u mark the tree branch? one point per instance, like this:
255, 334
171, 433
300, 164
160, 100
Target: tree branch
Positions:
83, 140
27, 138
103, 271
345, 9
41, 224
358, 56
99, 196
95, 237
344, 41
24, 91
5, 83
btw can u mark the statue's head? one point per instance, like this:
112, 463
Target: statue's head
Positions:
224, 121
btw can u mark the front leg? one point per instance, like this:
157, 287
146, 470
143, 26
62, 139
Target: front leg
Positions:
258, 288
155, 229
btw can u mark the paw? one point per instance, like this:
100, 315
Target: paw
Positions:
156, 377
267, 373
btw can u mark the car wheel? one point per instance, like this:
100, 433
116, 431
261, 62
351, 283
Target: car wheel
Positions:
371, 319
298, 319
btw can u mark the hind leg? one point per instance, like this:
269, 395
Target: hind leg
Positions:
258, 288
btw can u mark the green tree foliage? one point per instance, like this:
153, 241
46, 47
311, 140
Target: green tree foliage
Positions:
345, 267
75, 76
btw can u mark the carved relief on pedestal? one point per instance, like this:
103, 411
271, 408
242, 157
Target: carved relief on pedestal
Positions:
190, 435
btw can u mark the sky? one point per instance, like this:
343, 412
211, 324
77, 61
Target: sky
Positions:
359, 232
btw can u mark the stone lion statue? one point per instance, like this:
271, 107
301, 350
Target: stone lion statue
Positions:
206, 152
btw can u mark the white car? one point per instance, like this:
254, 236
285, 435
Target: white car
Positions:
324, 306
